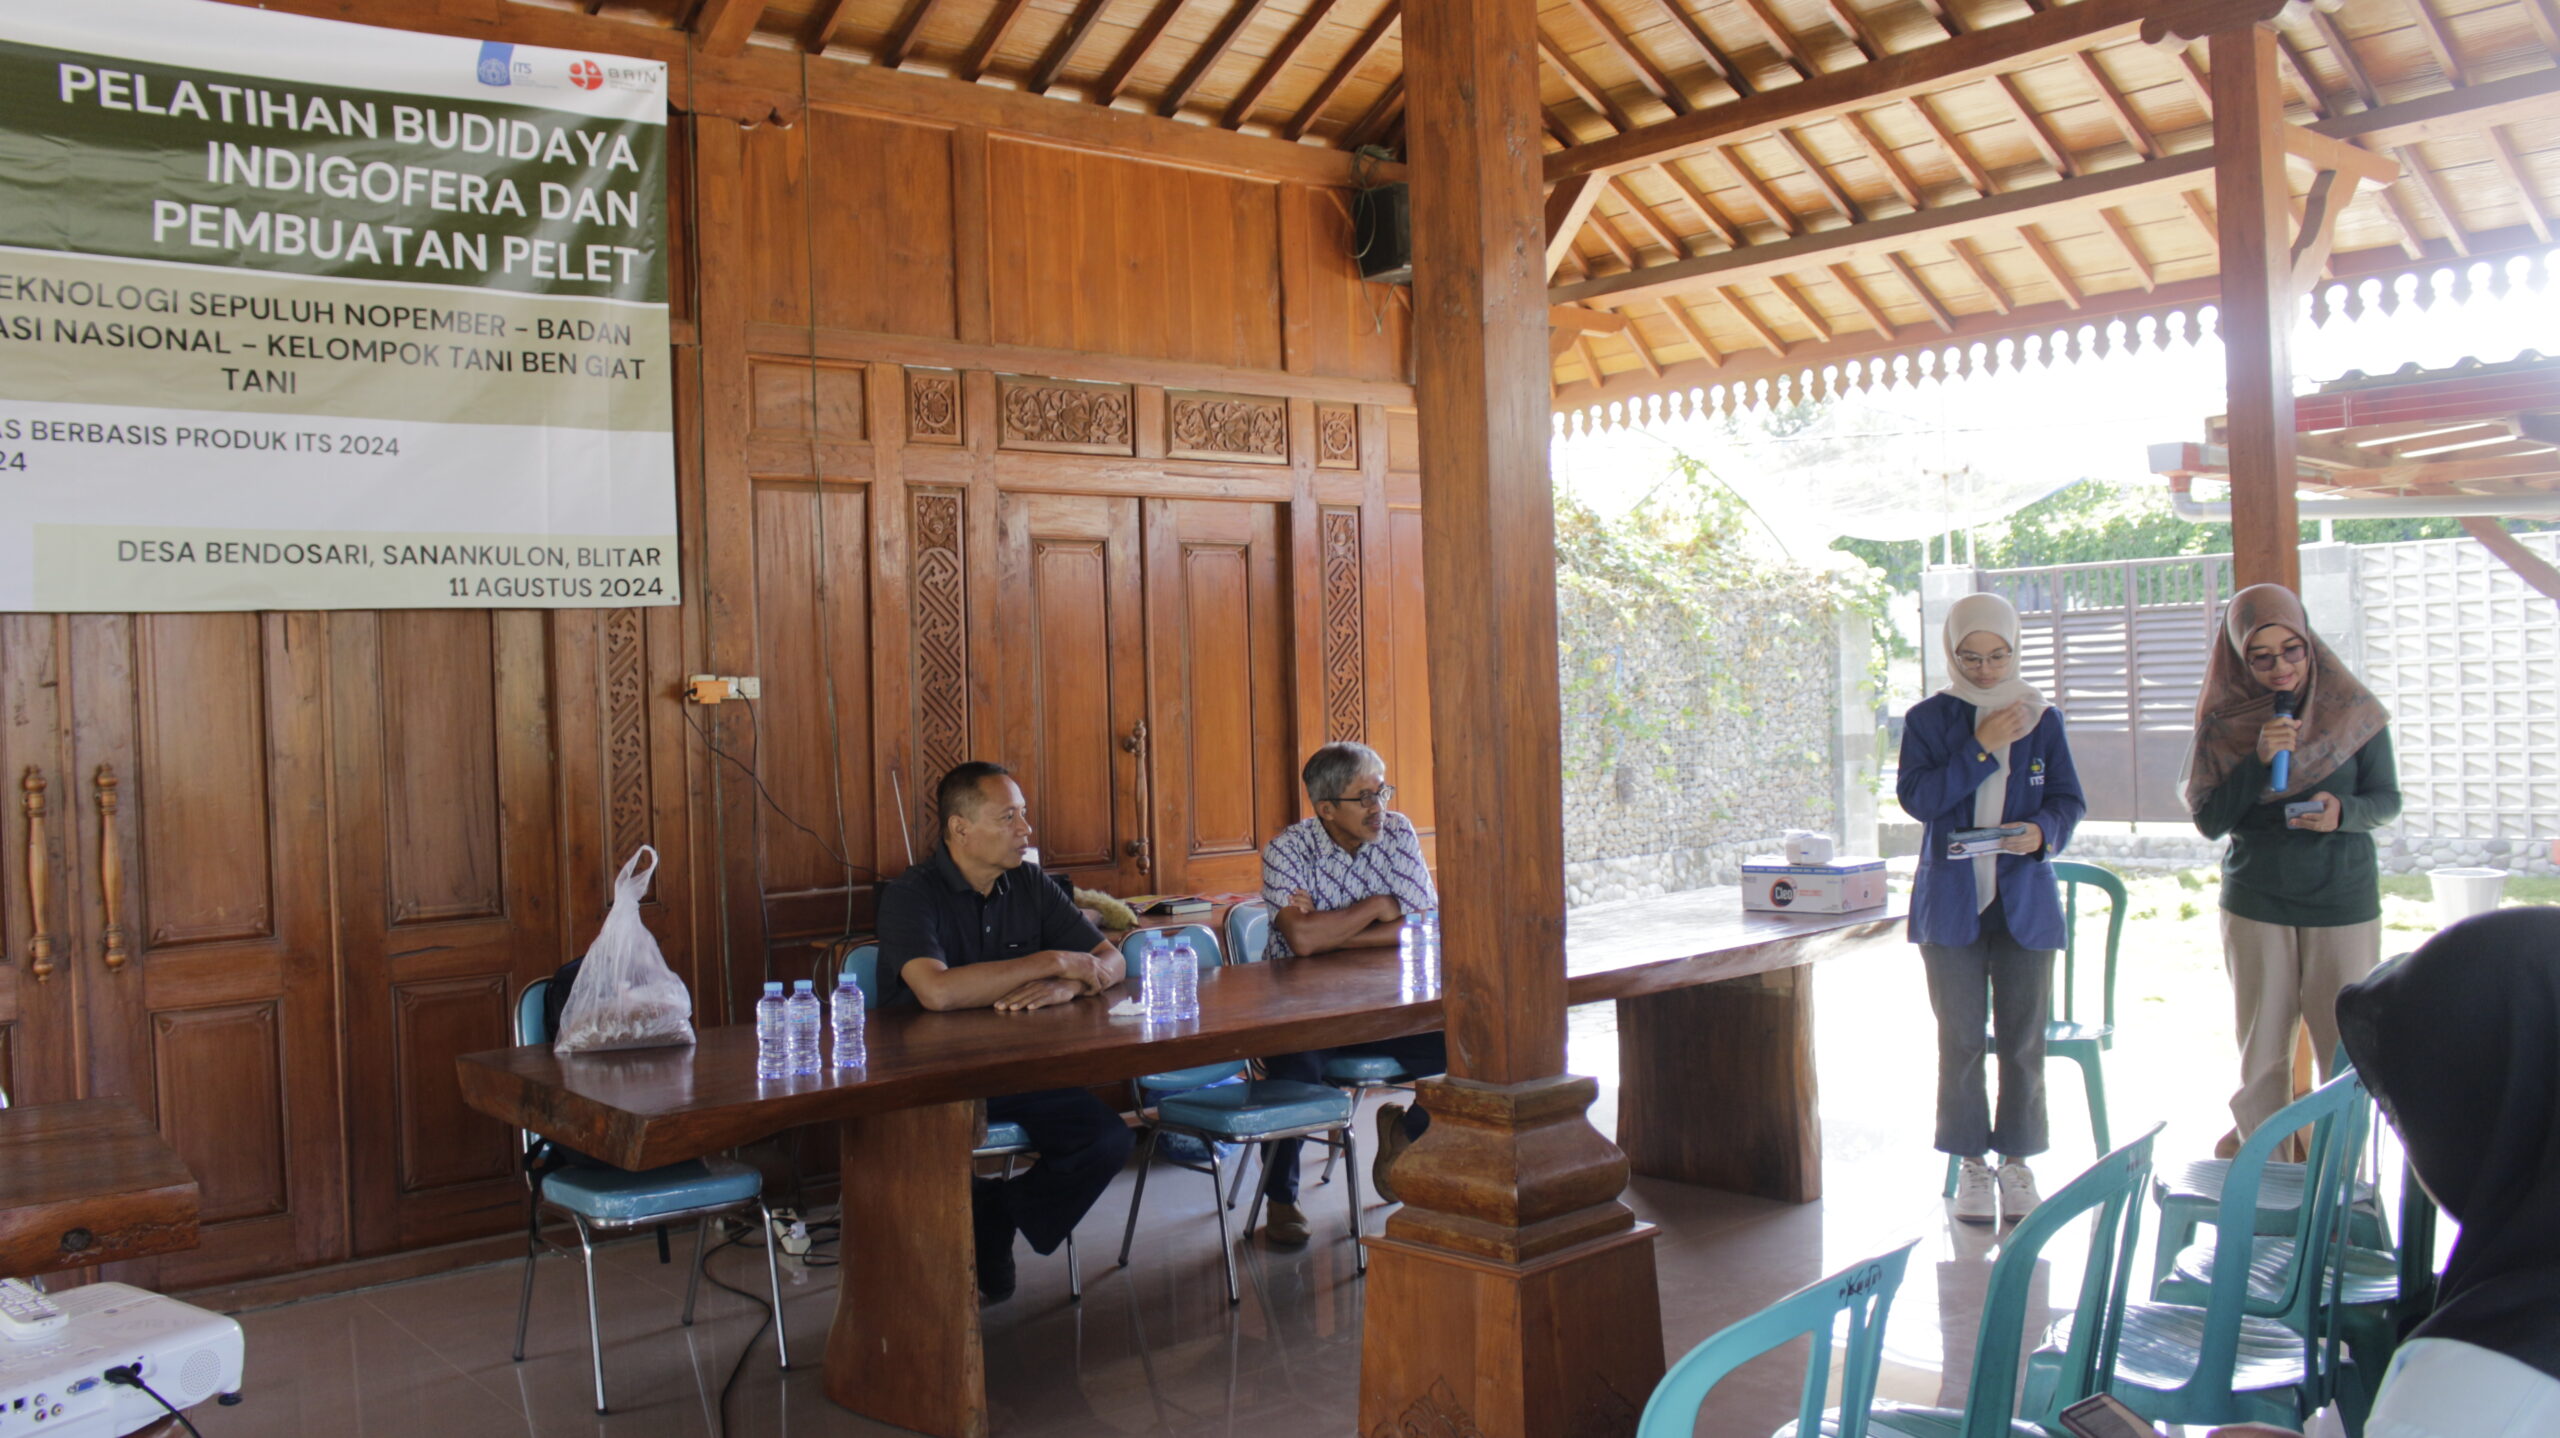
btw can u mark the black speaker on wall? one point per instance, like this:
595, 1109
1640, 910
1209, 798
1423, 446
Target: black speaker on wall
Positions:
1382, 233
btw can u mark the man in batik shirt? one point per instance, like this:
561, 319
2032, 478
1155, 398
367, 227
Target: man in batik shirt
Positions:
1345, 879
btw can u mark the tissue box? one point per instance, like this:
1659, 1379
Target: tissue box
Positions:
1769, 882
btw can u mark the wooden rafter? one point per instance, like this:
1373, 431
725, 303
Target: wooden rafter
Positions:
1895, 174
1939, 314
1645, 215
1349, 65
2545, 22
1697, 199
1749, 179
1846, 21
1590, 359
2039, 134
1781, 39
2412, 243
1064, 47
1804, 309
1584, 86
2431, 30
991, 37
2299, 70
2415, 168
1696, 332
2123, 234
1632, 55
1981, 273
1383, 112
1847, 279
1115, 77
1634, 336
901, 41
2450, 113
2201, 209
1720, 63
2530, 567
722, 26
1277, 63
1815, 171
1220, 41
1568, 208
2503, 154
822, 26
2041, 251
1957, 154
1612, 236
2343, 51
1751, 320
2135, 132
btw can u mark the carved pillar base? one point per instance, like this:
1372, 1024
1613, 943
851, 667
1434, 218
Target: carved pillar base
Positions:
1514, 1295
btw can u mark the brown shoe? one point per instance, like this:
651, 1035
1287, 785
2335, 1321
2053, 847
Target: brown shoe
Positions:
1391, 1146
1285, 1226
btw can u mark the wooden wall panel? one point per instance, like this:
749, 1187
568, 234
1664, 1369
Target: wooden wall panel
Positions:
207, 870
1077, 686
1408, 747
221, 1096
440, 771
1097, 253
442, 1143
813, 746
880, 193
1218, 629
771, 184
1352, 327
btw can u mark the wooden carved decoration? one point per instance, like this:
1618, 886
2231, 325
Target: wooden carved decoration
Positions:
941, 642
1229, 427
1345, 705
39, 877
1068, 418
933, 406
1337, 436
1436, 1414
626, 734
111, 871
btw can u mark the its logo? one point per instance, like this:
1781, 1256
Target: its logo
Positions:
586, 74
1782, 893
497, 62
2035, 766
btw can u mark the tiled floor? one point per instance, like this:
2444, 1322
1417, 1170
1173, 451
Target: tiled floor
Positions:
1154, 1348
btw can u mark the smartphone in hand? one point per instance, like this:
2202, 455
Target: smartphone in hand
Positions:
2105, 1416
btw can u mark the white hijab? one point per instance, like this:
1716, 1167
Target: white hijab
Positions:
1988, 614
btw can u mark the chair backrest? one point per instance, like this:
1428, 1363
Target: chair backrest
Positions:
2336, 1113
2111, 1192
531, 1025
861, 968
2074, 876
1204, 942
1248, 932
1863, 1291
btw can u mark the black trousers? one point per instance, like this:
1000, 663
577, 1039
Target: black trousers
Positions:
1082, 1144
1992, 982
1422, 1056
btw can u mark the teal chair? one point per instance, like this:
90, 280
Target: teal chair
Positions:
2190, 1195
607, 1200
1863, 1292
1007, 1141
2110, 1193
1256, 1111
2222, 1362
1249, 931
2070, 1036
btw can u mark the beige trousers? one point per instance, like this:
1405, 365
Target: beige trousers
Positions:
2281, 975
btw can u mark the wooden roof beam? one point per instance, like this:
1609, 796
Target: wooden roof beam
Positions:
2503, 155
1383, 113
2412, 244
2202, 209
1611, 236
1621, 44
1770, 205
1895, 174
1716, 223
2344, 51
1720, 62
1115, 79
2446, 113
1644, 352
2037, 39
1273, 66
2039, 134
822, 26
1697, 333
2123, 236
1352, 60
2546, 25
2197, 81
1221, 41
1939, 314
2300, 70
991, 37
1585, 87
2416, 169
1821, 177
901, 42
1064, 47
1847, 279
1847, 22
1781, 39
1645, 215
1973, 265
1957, 154
2118, 109
1804, 310
1751, 320
722, 26
2439, 45
1568, 209
2046, 260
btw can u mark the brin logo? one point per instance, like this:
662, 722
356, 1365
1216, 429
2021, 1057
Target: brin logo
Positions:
1782, 893
586, 74
497, 62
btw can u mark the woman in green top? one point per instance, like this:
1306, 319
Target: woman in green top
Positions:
2301, 894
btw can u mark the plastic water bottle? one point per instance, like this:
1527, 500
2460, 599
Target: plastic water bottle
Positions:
844, 1025
773, 1036
802, 1011
1186, 980
1409, 951
1431, 947
1160, 981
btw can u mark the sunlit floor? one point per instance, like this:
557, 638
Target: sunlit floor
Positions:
1155, 1349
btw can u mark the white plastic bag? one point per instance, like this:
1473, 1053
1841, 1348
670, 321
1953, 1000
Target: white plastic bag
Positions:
625, 996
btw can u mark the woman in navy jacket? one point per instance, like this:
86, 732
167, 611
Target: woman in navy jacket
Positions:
1988, 752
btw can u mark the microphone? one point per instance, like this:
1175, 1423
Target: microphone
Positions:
2288, 704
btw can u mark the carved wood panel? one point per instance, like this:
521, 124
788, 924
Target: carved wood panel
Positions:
1237, 428
940, 604
626, 735
933, 406
1063, 417
1337, 436
1346, 703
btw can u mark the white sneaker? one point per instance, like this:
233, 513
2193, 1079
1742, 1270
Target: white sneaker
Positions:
2018, 1196
1977, 1193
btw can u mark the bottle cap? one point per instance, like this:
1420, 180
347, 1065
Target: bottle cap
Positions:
773, 986
801, 986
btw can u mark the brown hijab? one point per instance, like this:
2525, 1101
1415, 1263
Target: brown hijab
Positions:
2338, 714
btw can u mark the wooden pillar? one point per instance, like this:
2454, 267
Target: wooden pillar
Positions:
1513, 1296
2258, 295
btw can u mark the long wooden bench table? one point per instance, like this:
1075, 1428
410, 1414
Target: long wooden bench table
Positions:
1716, 1035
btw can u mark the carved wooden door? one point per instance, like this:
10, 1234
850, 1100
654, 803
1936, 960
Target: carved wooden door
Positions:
1074, 692
1217, 644
446, 901
39, 982
194, 809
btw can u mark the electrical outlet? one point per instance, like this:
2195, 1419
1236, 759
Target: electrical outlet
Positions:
747, 686
720, 688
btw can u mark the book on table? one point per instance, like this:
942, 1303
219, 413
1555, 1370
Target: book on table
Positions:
1167, 906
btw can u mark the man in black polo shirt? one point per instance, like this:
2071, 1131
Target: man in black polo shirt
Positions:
973, 926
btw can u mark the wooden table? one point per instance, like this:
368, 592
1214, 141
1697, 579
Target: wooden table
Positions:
87, 1182
904, 1348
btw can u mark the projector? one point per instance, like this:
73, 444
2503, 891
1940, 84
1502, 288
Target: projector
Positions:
56, 1386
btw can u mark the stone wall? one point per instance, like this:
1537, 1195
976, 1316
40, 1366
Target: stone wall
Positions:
1684, 752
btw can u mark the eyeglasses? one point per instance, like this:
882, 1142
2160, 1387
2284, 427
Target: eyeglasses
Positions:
1375, 799
2291, 654
1976, 661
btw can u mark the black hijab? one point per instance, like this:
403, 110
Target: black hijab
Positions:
2460, 1042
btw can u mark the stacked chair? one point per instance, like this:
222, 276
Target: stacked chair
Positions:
1862, 1293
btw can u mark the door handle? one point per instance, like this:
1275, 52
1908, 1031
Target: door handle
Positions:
111, 870
1139, 848
39, 877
